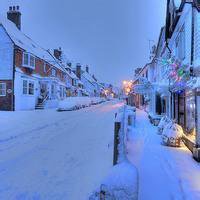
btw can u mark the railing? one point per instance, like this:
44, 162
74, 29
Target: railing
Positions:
190, 145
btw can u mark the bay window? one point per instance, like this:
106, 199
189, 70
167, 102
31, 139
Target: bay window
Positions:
28, 60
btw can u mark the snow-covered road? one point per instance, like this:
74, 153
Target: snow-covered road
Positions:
55, 155
164, 173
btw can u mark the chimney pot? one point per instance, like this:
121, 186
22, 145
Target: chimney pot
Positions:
78, 70
58, 53
87, 69
14, 15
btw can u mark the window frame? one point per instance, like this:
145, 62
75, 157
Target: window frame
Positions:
31, 89
30, 60
25, 54
3, 89
27, 87
53, 74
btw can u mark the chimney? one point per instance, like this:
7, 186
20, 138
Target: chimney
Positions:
14, 15
93, 76
78, 70
87, 69
58, 53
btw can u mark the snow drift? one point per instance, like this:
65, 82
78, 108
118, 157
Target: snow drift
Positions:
120, 184
74, 103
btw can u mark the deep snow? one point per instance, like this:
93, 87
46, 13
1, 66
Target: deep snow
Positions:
165, 173
55, 155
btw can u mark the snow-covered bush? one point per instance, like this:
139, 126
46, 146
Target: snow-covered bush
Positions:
163, 122
121, 184
172, 135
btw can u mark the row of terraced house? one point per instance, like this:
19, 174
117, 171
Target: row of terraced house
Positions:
170, 83
31, 75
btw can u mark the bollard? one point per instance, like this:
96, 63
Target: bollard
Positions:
116, 142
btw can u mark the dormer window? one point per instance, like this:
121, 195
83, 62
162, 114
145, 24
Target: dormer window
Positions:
28, 60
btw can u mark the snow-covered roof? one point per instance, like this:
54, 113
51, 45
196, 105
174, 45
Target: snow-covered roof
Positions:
80, 82
26, 43
88, 77
73, 75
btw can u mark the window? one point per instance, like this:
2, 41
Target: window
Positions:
32, 61
28, 87
25, 87
53, 72
31, 88
45, 67
29, 60
26, 59
2, 89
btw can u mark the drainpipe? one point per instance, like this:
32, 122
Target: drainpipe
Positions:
13, 79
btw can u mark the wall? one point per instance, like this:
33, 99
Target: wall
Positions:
6, 56
6, 102
185, 18
25, 102
196, 38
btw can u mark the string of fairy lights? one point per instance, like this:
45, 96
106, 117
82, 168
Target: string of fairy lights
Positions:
176, 71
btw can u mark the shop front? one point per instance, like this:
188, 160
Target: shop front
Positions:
184, 114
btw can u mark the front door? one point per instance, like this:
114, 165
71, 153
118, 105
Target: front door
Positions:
43, 90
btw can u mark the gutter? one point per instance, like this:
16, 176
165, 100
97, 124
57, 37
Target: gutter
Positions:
13, 82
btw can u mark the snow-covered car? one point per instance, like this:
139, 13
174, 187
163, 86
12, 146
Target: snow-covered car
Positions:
172, 135
163, 122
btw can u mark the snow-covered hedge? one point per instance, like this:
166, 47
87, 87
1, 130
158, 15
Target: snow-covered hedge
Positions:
74, 103
120, 184
172, 135
162, 124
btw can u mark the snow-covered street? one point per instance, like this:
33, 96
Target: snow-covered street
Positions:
164, 173
55, 155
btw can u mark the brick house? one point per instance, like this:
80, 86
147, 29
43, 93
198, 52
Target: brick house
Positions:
90, 85
29, 74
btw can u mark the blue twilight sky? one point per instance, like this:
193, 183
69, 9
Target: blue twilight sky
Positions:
109, 35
